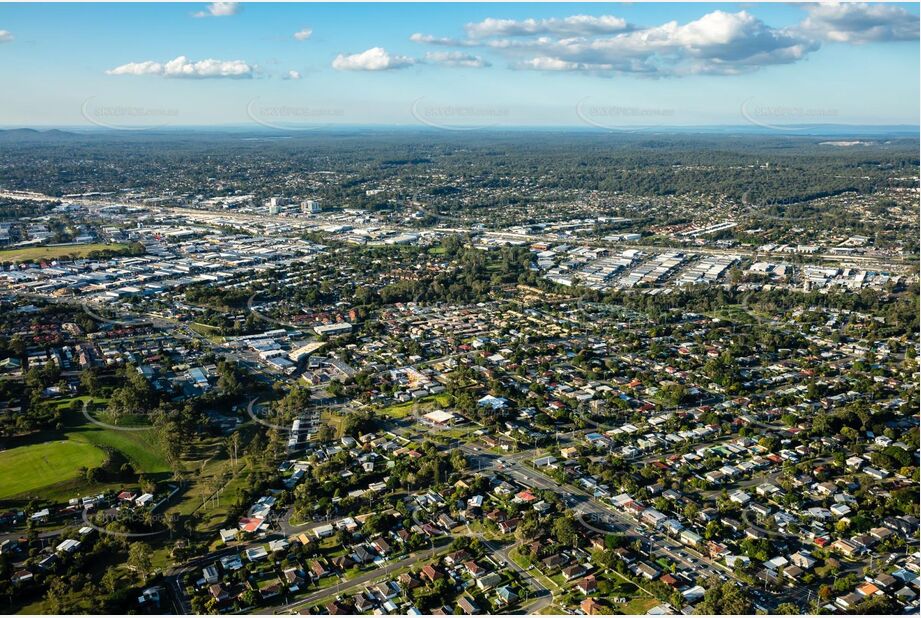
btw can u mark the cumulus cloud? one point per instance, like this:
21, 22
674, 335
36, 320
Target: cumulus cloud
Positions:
455, 59
182, 67
6, 36
374, 59
292, 75
860, 23
717, 43
303, 34
219, 9
575, 25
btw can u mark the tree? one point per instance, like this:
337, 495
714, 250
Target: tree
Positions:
249, 598
788, 609
89, 381
724, 598
110, 581
135, 396
324, 433
528, 529
604, 558
878, 605
566, 532
672, 394
139, 559
458, 460
56, 597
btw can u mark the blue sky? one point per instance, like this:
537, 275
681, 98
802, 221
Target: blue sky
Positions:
458, 65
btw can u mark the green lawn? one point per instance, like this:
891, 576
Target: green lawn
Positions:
45, 464
522, 561
214, 512
25, 469
213, 333
333, 420
398, 410
637, 606
52, 252
734, 313
128, 420
137, 446
402, 410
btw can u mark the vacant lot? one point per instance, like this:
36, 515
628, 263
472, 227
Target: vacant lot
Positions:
26, 469
52, 252
637, 606
402, 410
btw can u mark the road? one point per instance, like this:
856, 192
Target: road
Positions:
543, 596
364, 578
587, 506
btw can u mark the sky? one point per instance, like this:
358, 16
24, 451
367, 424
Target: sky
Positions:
458, 66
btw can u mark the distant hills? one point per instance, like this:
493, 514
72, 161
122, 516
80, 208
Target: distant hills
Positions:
26, 134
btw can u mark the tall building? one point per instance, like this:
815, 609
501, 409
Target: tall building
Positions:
310, 207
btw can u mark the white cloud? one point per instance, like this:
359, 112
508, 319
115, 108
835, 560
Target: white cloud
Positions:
182, 67
292, 75
219, 9
429, 39
6, 36
574, 25
374, 59
546, 63
456, 59
859, 23
716, 43
303, 34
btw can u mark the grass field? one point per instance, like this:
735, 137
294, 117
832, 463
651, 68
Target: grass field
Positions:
735, 313
206, 330
29, 468
398, 410
51, 252
333, 420
637, 606
45, 464
402, 410
137, 446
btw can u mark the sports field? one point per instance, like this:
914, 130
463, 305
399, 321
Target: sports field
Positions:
47, 465
55, 251
138, 447
27, 468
